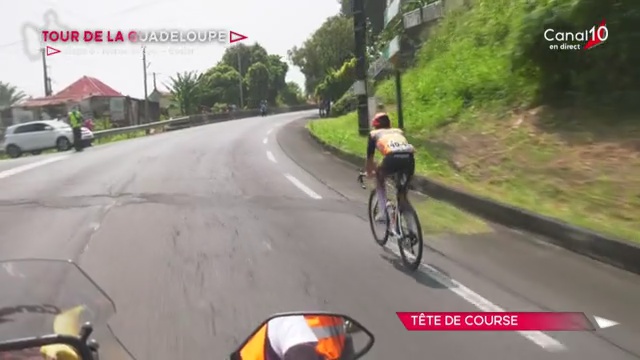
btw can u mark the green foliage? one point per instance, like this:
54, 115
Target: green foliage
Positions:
606, 75
186, 90
346, 104
328, 48
257, 79
241, 57
277, 77
291, 95
495, 55
220, 84
219, 108
337, 82
250, 69
10, 95
100, 124
465, 63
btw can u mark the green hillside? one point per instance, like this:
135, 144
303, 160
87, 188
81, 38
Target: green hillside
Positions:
493, 110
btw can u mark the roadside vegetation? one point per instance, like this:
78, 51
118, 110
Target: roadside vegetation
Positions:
261, 75
105, 124
492, 110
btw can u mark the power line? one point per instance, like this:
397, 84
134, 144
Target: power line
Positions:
10, 44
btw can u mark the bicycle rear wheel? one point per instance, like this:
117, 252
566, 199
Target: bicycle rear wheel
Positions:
411, 244
373, 212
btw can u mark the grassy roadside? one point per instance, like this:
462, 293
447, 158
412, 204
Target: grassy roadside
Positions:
519, 173
437, 217
119, 137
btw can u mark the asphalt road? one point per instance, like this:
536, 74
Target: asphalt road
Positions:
201, 233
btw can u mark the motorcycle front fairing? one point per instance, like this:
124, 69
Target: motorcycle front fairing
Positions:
43, 297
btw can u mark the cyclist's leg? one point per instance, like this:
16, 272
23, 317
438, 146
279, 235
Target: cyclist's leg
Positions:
395, 164
381, 189
408, 169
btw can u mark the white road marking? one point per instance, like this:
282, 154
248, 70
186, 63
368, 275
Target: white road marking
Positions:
265, 141
20, 169
312, 194
271, 157
604, 323
8, 267
537, 337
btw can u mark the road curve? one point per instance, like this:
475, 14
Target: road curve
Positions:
199, 234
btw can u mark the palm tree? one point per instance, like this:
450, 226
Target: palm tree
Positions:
186, 91
10, 95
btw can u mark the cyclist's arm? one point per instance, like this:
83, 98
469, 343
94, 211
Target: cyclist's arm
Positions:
371, 152
305, 351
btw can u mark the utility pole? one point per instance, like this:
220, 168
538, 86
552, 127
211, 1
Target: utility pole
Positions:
47, 80
360, 86
144, 73
155, 87
240, 82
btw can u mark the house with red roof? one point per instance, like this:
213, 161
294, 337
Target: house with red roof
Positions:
84, 88
96, 100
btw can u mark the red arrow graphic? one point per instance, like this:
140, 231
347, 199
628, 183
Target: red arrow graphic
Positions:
52, 51
239, 37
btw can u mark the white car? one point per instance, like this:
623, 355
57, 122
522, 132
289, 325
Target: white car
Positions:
36, 136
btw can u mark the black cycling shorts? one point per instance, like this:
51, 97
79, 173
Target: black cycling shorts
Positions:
403, 163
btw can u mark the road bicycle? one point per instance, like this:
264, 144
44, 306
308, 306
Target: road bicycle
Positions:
396, 222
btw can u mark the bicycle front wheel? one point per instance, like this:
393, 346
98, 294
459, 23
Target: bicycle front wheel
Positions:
380, 230
411, 243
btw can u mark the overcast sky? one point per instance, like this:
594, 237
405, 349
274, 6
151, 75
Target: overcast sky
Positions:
277, 25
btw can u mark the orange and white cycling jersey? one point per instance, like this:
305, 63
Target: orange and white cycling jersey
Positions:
391, 141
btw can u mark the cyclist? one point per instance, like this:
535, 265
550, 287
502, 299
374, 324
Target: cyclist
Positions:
300, 338
398, 157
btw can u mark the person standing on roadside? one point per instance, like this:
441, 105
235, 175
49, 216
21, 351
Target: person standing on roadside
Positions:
76, 120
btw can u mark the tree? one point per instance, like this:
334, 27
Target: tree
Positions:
10, 95
277, 77
257, 80
292, 94
326, 49
187, 91
241, 57
220, 85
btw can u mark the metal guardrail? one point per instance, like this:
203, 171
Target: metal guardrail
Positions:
128, 129
198, 120
195, 120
